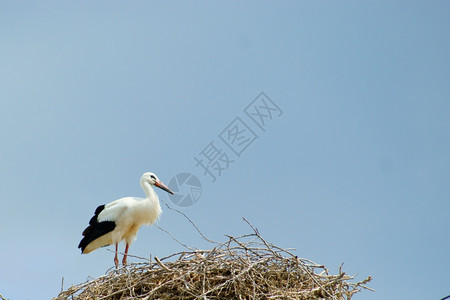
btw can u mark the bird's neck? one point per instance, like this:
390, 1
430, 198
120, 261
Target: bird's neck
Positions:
150, 207
150, 193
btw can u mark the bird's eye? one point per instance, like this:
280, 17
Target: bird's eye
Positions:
153, 177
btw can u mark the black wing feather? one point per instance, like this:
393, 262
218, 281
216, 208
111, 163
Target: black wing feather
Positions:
95, 229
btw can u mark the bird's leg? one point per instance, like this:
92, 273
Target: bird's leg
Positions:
116, 260
124, 260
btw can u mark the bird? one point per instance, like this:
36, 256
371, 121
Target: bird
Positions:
121, 219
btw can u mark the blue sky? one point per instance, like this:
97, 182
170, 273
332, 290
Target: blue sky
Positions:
354, 171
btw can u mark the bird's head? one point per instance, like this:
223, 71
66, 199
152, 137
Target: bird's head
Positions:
152, 179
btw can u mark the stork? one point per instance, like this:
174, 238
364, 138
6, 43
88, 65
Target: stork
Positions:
121, 219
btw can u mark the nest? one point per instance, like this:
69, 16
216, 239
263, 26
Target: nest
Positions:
244, 267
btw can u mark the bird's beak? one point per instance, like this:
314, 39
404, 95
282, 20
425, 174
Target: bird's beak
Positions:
163, 187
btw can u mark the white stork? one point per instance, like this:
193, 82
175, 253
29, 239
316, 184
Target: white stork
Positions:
121, 219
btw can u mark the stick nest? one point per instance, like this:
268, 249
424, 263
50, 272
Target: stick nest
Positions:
244, 267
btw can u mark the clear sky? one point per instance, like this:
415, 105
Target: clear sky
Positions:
353, 168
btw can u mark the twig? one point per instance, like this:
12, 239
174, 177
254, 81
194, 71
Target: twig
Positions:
161, 264
259, 236
129, 255
176, 240
62, 284
190, 221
